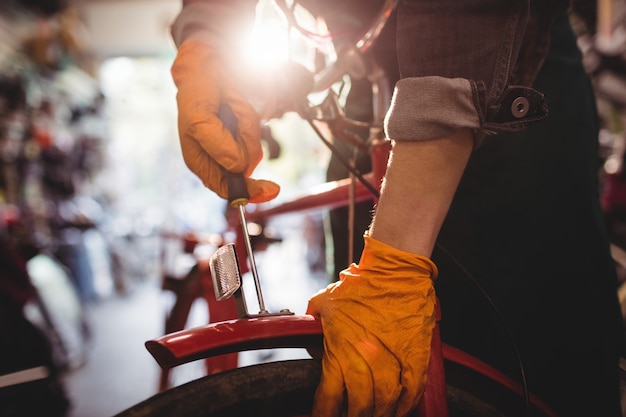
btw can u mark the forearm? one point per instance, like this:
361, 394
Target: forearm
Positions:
420, 183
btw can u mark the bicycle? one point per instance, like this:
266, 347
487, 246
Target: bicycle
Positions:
233, 392
458, 384
292, 383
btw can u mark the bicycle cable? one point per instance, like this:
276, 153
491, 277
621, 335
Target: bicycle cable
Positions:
351, 169
500, 316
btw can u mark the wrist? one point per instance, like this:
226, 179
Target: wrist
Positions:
380, 256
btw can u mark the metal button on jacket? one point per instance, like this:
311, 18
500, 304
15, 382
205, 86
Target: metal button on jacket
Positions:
519, 107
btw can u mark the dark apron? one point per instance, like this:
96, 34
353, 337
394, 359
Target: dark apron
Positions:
527, 224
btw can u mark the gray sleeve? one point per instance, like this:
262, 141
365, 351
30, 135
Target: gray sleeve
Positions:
218, 22
427, 108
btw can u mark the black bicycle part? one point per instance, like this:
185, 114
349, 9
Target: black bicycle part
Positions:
351, 169
286, 389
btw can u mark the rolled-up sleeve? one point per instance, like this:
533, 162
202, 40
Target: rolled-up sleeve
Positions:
217, 22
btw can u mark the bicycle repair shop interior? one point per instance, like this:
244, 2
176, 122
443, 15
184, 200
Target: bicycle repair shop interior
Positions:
94, 185
95, 194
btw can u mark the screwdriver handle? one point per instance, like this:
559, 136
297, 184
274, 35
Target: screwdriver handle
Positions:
236, 183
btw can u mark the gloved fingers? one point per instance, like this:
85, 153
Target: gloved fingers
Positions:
203, 87
236, 154
415, 368
205, 168
313, 310
329, 395
316, 302
248, 133
372, 379
262, 190
212, 174
413, 381
319, 300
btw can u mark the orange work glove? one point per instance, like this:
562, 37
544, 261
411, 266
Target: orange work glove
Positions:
207, 145
377, 323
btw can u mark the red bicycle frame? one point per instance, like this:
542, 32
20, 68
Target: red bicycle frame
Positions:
226, 335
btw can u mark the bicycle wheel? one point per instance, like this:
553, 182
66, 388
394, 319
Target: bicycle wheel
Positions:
276, 389
272, 389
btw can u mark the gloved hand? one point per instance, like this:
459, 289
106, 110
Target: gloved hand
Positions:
377, 323
208, 146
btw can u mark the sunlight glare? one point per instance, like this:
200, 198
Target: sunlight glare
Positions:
273, 40
269, 42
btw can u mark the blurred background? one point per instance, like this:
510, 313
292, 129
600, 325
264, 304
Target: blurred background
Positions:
97, 209
100, 220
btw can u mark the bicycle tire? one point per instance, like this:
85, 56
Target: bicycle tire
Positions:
276, 389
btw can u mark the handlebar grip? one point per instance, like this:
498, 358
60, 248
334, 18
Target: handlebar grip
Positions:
235, 182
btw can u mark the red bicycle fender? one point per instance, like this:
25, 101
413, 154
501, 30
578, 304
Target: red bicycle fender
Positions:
234, 336
303, 331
